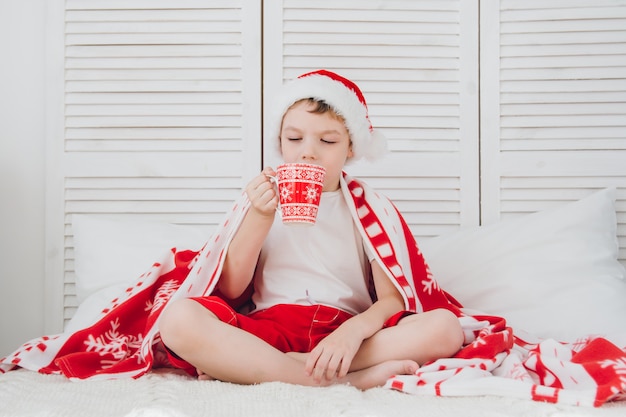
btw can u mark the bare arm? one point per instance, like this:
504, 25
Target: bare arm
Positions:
244, 250
389, 303
333, 355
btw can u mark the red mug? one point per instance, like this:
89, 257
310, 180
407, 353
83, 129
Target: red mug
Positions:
299, 192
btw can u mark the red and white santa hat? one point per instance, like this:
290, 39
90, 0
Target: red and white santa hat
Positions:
344, 97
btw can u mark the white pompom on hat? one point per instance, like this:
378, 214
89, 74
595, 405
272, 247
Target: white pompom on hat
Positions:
344, 97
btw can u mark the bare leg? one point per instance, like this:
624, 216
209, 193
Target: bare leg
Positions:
377, 375
227, 353
301, 356
420, 337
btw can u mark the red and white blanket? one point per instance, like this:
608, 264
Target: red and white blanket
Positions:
124, 341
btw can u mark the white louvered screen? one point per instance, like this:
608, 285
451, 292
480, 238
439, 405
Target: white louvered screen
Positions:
553, 104
416, 62
161, 115
154, 106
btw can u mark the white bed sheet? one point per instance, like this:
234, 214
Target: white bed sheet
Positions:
168, 393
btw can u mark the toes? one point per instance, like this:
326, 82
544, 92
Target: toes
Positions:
410, 367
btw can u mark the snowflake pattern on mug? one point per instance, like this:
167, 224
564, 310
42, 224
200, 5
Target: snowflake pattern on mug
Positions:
300, 190
312, 194
285, 194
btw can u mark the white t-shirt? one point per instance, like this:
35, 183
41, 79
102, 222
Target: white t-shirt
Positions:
321, 264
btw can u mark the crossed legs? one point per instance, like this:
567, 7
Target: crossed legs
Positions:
227, 353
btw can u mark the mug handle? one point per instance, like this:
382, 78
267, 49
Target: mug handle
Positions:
274, 181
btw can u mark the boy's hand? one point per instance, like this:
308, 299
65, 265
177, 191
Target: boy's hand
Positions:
262, 193
332, 357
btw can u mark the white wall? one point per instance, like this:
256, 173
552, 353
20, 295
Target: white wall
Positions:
21, 171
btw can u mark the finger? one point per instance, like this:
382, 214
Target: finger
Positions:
265, 191
333, 367
314, 365
321, 368
272, 201
262, 193
252, 189
345, 367
311, 360
259, 182
319, 373
269, 171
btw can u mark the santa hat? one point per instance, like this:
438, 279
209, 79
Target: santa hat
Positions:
344, 97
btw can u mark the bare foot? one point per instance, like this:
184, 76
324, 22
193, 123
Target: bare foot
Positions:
377, 375
204, 377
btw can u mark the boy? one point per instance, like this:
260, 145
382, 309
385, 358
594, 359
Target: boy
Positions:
314, 320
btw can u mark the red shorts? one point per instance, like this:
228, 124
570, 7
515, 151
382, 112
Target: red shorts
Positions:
287, 327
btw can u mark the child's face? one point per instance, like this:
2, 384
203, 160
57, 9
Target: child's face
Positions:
315, 138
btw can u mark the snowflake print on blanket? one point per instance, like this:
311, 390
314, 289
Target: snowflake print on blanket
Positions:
163, 294
429, 284
113, 345
618, 387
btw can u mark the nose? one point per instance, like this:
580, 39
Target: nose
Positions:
308, 150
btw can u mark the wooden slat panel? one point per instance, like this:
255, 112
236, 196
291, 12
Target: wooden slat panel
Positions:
416, 63
156, 56
199, 202
159, 99
553, 105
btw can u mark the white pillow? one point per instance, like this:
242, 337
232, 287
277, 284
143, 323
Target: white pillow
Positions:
90, 310
110, 251
553, 274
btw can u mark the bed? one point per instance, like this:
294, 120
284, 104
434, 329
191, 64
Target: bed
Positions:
169, 394
554, 275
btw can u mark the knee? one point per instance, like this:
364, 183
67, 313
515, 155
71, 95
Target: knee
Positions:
175, 321
449, 331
